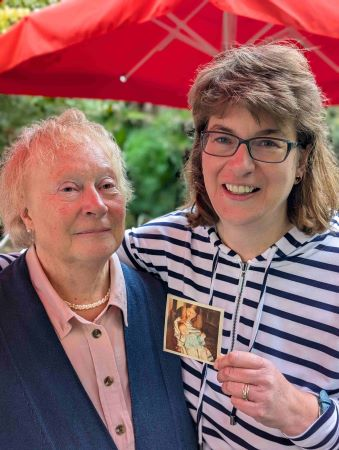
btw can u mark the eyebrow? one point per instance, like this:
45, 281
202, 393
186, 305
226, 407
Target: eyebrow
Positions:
263, 132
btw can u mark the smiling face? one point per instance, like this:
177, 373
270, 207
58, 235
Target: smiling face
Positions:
250, 195
73, 207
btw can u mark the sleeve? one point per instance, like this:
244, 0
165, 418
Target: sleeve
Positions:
158, 247
7, 258
323, 433
144, 251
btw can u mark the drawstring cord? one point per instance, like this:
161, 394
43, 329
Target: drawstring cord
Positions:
204, 369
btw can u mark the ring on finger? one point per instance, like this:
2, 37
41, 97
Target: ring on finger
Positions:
245, 391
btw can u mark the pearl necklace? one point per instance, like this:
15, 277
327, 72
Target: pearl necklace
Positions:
89, 305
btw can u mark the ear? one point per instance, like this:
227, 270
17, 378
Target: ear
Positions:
27, 220
302, 162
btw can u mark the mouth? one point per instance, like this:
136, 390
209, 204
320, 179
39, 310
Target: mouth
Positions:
103, 230
240, 189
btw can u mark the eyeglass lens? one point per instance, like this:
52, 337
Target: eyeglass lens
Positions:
264, 149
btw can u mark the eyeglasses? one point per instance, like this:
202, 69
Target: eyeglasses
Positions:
263, 149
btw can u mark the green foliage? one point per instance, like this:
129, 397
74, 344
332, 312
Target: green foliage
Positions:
9, 16
154, 154
17, 111
333, 121
12, 11
30, 4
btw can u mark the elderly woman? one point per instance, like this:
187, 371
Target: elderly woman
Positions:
259, 239
81, 361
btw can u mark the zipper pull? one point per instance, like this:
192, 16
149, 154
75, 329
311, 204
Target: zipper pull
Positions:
243, 268
233, 416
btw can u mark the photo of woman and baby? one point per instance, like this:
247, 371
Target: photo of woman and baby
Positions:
192, 330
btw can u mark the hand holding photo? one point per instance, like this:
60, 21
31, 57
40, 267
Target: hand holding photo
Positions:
192, 329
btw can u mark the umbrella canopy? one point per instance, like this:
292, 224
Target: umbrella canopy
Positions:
149, 50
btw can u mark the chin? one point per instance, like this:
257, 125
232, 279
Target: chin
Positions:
98, 252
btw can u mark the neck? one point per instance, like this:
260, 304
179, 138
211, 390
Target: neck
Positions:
78, 283
251, 241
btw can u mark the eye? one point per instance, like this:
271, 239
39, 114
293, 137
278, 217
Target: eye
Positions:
68, 188
267, 143
109, 186
223, 139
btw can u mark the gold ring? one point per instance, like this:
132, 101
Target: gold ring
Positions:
245, 391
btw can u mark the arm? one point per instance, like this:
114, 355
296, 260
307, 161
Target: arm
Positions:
156, 246
276, 403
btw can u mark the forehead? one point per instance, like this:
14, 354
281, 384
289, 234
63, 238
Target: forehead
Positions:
79, 157
238, 115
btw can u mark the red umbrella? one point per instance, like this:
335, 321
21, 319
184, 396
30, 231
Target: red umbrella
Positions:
149, 50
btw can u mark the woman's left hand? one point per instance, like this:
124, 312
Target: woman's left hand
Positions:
259, 390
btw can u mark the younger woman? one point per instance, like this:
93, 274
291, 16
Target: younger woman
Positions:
260, 239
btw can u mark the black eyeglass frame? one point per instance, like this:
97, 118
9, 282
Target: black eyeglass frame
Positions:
247, 142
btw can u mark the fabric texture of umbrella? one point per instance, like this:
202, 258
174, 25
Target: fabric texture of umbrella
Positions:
149, 50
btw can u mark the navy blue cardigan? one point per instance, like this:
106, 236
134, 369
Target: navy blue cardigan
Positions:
42, 402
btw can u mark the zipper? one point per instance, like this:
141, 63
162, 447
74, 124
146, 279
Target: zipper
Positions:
244, 267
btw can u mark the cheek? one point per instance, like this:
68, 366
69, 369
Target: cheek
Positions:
63, 211
118, 212
205, 166
56, 219
287, 177
211, 168
208, 175
191, 314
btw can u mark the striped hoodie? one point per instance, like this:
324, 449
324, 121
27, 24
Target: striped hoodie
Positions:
282, 305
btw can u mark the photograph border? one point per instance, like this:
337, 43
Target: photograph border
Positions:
202, 306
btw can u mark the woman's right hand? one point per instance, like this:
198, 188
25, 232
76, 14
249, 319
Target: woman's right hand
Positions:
259, 390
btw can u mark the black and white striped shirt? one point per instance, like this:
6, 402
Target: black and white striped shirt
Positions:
287, 311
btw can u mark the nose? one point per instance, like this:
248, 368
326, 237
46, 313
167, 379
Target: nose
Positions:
241, 161
93, 203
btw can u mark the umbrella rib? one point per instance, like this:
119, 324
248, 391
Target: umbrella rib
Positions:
289, 32
193, 39
196, 38
160, 46
308, 44
229, 30
260, 33
175, 33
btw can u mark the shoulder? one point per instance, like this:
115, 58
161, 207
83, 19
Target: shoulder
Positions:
15, 277
330, 238
140, 280
334, 226
168, 224
7, 258
323, 248
171, 228
145, 295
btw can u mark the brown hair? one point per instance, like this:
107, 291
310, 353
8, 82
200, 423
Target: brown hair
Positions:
275, 79
42, 142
